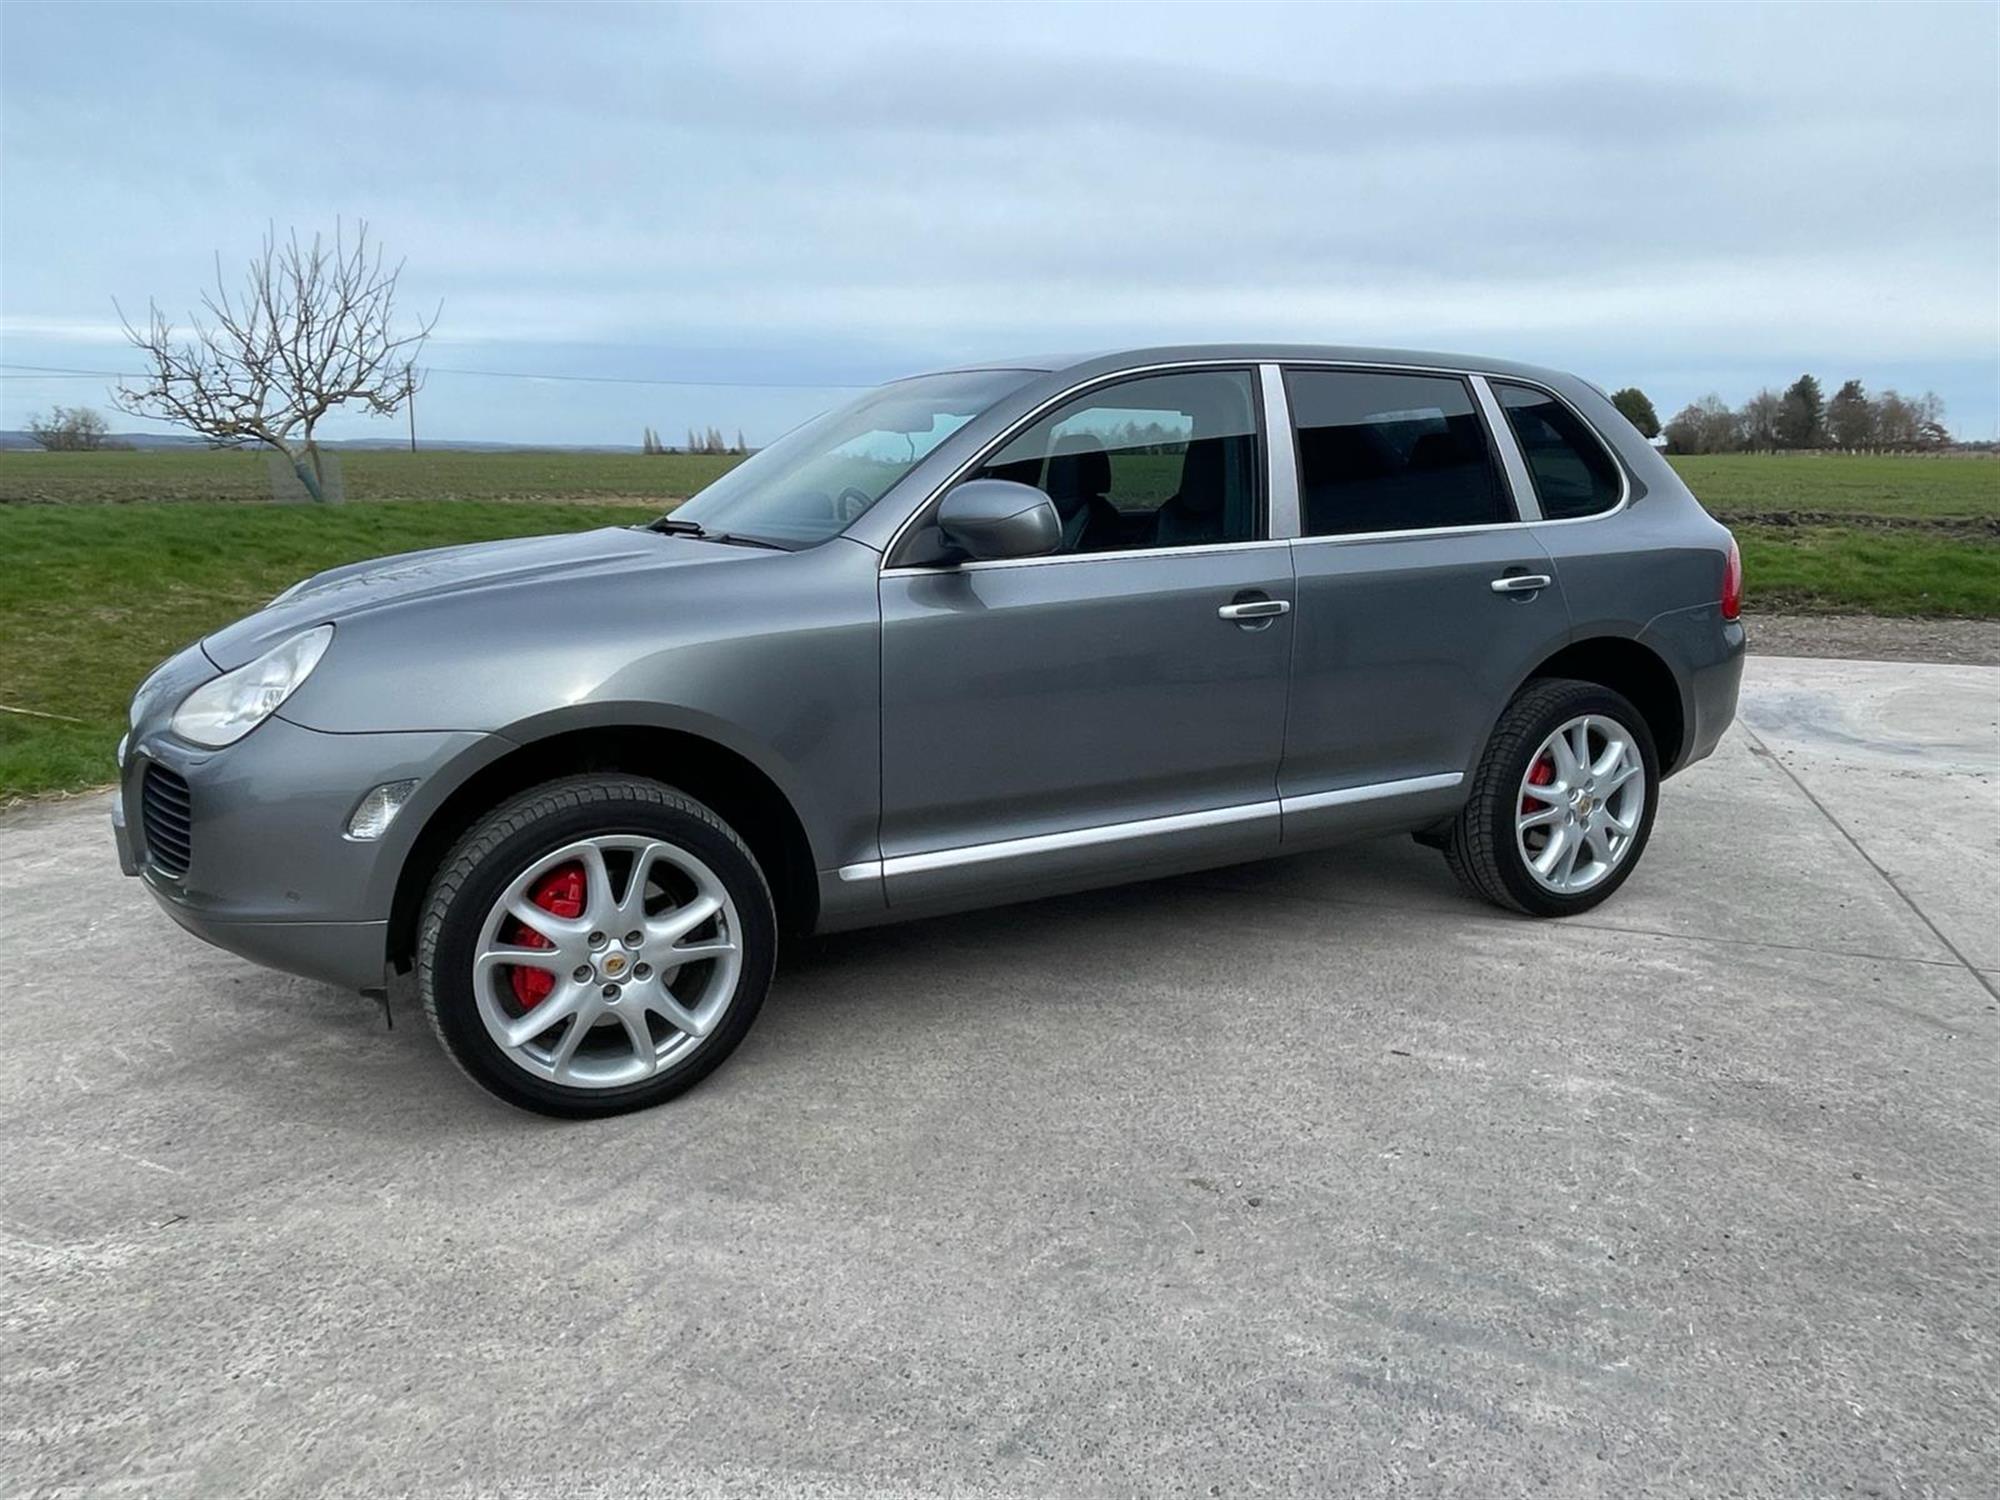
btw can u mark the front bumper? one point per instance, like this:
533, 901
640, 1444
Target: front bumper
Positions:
272, 875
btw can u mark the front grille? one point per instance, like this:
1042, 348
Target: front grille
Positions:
167, 807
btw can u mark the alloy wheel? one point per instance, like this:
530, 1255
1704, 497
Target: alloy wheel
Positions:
1581, 804
607, 960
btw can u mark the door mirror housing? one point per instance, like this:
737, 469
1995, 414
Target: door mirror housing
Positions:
996, 518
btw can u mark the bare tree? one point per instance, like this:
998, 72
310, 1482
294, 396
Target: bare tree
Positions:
312, 329
69, 429
1705, 426
1763, 419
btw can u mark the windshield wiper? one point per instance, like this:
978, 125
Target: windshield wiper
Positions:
672, 526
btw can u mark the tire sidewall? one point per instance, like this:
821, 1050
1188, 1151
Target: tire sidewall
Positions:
1531, 895
447, 977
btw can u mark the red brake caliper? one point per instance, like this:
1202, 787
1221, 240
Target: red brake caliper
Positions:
1541, 773
560, 893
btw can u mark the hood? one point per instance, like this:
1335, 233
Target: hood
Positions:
365, 587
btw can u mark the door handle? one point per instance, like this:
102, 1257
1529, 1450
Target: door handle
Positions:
1254, 609
1521, 583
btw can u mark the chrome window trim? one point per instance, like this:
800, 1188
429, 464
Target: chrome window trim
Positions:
1282, 516
1480, 380
1513, 463
1351, 538
1249, 366
1140, 828
1122, 554
1501, 438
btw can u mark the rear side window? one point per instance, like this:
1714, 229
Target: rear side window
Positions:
1383, 452
1573, 474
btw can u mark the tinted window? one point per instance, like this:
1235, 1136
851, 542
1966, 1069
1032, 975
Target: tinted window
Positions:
1574, 476
1384, 452
1160, 461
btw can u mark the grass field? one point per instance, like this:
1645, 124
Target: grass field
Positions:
1867, 484
98, 587
1729, 484
199, 474
92, 596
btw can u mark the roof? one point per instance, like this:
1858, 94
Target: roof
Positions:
1106, 360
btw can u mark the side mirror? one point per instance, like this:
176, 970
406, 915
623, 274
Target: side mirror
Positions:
995, 518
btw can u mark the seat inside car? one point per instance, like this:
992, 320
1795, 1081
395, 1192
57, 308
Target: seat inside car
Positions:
1193, 513
1079, 483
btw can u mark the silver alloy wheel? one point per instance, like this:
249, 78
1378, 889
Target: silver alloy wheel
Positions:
641, 975
1576, 825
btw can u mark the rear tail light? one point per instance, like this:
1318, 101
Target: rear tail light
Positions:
1732, 583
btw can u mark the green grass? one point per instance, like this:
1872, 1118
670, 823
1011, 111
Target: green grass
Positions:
94, 593
200, 474
92, 596
1889, 484
1832, 568
1728, 484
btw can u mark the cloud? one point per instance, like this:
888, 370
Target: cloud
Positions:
1640, 187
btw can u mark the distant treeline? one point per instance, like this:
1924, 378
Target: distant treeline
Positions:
710, 441
1801, 417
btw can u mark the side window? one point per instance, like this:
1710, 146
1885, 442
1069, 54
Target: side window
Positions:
1384, 452
1158, 461
1573, 474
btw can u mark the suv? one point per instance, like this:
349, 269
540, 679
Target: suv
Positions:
975, 637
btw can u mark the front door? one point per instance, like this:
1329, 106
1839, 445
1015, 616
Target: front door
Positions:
1116, 709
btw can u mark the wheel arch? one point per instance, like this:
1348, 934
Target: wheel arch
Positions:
1633, 668
743, 793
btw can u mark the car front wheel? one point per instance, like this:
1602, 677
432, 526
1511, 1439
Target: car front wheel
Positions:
1562, 803
596, 945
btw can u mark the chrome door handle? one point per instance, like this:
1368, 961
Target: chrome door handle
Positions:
1254, 609
1521, 583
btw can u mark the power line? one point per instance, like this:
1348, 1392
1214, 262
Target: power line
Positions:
67, 372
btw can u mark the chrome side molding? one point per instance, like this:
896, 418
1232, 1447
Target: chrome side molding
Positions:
1374, 791
1140, 828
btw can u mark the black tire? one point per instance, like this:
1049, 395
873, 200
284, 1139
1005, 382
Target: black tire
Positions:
1481, 847
497, 848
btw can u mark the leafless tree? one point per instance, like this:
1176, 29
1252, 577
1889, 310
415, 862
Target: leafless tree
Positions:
69, 429
1705, 426
1763, 419
313, 328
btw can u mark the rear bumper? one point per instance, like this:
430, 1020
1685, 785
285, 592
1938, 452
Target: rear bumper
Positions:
1705, 652
1714, 689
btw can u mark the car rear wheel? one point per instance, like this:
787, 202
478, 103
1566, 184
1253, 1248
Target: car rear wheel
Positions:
1562, 804
596, 945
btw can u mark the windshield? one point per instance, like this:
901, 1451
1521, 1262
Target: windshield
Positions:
812, 482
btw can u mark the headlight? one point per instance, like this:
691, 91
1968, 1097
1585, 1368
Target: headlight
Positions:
139, 693
221, 712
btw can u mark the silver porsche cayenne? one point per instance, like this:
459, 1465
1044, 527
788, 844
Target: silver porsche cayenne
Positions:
978, 636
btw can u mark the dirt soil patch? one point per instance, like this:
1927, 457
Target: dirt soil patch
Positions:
1875, 638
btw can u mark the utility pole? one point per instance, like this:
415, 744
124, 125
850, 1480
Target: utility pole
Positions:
410, 400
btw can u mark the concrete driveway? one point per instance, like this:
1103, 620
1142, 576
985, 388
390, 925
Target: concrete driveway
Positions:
1308, 1177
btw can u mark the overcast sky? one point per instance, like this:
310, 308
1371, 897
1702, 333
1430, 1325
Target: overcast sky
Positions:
1685, 198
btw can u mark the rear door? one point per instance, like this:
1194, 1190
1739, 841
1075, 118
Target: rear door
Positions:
1423, 597
1114, 709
